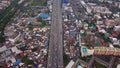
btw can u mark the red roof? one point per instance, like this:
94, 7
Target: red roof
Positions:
114, 34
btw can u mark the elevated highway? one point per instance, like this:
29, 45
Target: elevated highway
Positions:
55, 52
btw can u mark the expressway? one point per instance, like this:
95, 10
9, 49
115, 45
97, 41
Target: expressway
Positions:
101, 61
55, 52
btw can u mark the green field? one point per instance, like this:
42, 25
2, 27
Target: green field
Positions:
39, 2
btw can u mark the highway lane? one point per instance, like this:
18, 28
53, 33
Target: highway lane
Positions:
101, 61
55, 52
91, 62
111, 62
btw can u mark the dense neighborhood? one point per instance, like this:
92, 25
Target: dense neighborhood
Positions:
90, 37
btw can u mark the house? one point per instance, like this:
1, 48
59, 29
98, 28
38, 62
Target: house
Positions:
118, 66
16, 50
3, 49
15, 37
43, 15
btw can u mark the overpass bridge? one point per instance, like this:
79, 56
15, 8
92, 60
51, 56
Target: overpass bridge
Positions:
100, 51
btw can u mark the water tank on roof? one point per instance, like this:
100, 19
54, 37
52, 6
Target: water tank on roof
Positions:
65, 1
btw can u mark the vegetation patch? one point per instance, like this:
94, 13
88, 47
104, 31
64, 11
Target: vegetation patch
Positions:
39, 2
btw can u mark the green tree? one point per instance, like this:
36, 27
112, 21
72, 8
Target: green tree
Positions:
66, 59
42, 22
34, 49
118, 37
27, 61
2, 39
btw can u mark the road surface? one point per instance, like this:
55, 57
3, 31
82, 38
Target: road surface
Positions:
55, 52
101, 61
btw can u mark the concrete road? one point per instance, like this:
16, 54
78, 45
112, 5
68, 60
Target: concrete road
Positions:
101, 61
55, 52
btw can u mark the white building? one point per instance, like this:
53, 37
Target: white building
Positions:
70, 64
